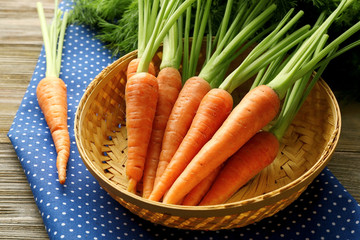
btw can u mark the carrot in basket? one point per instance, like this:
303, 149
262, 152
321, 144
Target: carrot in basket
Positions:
51, 90
256, 109
141, 91
213, 110
194, 197
51, 95
248, 161
141, 95
169, 81
180, 120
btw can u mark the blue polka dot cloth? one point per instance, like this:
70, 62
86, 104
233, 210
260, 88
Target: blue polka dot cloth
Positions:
81, 209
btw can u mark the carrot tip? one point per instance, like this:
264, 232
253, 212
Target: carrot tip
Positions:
132, 185
62, 180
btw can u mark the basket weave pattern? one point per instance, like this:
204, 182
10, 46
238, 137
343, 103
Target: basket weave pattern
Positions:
305, 149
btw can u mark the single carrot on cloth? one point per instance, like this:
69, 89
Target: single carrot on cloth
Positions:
51, 90
141, 91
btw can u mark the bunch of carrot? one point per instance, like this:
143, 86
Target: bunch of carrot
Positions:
51, 90
208, 148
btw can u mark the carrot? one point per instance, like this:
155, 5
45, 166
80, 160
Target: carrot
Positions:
141, 92
141, 95
133, 65
51, 95
256, 154
169, 82
51, 90
213, 110
255, 110
194, 197
180, 120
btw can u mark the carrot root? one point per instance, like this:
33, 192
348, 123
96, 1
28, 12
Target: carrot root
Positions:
141, 95
180, 120
52, 99
169, 81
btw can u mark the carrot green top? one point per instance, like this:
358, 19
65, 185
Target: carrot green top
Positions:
169, 13
53, 37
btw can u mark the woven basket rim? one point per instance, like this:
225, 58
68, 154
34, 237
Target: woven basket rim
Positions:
211, 210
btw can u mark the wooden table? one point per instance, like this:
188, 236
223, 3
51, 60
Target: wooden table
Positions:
20, 44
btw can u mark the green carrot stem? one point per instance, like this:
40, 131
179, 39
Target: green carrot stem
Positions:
219, 78
151, 23
141, 28
185, 65
199, 36
172, 47
236, 26
244, 72
46, 39
291, 71
282, 28
53, 37
60, 42
267, 72
225, 21
218, 60
294, 101
313, 62
157, 38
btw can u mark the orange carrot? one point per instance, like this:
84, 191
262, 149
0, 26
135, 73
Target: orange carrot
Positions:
180, 120
258, 107
194, 197
212, 112
259, 152
51, 90
141, 95
51, 95
169, 81
133, 65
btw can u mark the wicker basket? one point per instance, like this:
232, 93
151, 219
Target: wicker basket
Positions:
305, 150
